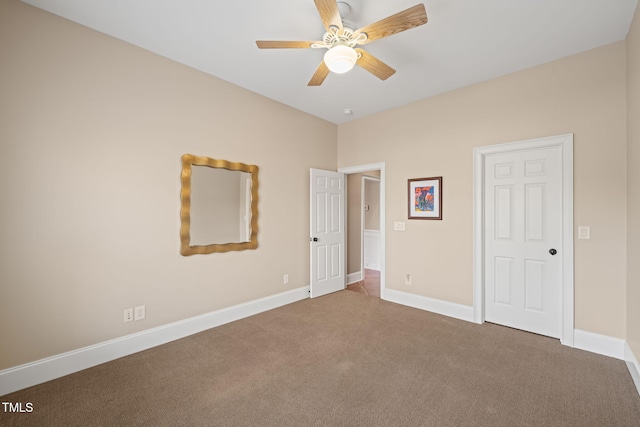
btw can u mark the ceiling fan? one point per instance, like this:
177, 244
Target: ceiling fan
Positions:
340, 40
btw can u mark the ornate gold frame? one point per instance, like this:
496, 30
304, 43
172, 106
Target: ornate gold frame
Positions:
189, 160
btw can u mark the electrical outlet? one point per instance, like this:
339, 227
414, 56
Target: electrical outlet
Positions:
128, 315
285, 280
139, 312
407, 279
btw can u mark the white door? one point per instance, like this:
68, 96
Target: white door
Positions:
327, 232
523, 240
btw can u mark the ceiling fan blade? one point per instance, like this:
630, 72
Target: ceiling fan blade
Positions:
277, 44
374, 65
402, 21
329, 13
318, 77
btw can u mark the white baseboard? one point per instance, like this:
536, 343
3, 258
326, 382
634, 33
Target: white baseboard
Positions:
600, 344
30, 374
354, 277
633, 365
446, 308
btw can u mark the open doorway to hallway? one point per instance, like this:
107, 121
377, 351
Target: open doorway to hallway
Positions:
364, 240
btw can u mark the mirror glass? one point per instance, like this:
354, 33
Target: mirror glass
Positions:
219, 206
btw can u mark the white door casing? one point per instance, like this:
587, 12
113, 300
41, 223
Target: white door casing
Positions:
327, 232
523, 207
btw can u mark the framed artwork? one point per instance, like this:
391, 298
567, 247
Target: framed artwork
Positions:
425, 198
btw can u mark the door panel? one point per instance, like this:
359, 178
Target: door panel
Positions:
503, 280
504, 212
534, 285
535, 212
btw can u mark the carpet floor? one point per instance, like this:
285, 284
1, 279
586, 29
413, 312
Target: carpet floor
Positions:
344, 359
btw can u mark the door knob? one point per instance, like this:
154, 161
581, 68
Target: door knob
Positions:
553, 251
313, 239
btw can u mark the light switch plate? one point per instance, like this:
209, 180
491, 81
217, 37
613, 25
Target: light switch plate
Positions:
398, 225
584, 232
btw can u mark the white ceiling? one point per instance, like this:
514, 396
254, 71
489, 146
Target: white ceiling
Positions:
464, 42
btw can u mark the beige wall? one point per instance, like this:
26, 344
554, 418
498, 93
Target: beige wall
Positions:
372, 198
91, 134
633, 190
584, 94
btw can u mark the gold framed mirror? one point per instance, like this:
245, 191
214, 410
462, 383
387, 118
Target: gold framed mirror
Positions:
218, 206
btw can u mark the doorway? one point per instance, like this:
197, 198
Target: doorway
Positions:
523, 203
365, 266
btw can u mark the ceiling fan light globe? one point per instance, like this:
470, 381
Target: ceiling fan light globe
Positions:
340, 59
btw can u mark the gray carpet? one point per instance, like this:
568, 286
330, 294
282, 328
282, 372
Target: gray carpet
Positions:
345, 359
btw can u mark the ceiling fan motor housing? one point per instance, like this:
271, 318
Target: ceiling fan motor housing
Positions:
337, 37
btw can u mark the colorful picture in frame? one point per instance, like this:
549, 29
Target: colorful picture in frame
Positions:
425, 198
